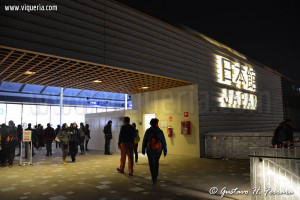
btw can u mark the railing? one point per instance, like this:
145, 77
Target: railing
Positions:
236, 145
275, 173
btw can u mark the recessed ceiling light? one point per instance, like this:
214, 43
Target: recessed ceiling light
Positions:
97, 81
144, 88
29, 73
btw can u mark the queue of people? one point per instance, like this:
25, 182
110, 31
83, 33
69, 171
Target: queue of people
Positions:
11, 137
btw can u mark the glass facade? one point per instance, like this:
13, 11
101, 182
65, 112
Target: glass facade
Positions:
43, 114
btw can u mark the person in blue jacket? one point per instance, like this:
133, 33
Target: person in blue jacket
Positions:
154, 143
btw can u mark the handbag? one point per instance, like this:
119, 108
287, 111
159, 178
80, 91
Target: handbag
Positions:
57, 139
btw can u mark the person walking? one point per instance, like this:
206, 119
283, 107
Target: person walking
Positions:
154, 142
136, 143
48, 137
11, 140
64, 137
87, 136
107, 136
74, 141
82, 136
126, 144
57, 130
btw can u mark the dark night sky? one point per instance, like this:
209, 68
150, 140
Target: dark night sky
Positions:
266, 31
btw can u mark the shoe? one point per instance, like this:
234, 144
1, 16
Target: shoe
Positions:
50, 154
155, 183
18, 155
120, 171
73, 160
130, 174
47, 154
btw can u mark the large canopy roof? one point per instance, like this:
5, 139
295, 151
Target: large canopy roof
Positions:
27, 67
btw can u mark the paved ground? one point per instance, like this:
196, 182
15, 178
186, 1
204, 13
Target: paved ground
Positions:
94, 176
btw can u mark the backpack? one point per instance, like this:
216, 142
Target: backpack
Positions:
154, 142
137, 137
11, 138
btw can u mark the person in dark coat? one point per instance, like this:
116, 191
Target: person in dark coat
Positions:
126, 145
82, 136
286, 134
48, 137
33, 139
57, 144
64, 137
74, 141
20, 131
2, 144
154, 134
11, 140
107, 136
87, 136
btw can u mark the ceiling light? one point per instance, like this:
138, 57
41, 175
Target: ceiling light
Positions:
29, 73
144, 88
97, 81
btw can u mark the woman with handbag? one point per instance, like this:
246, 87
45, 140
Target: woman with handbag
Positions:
64, 137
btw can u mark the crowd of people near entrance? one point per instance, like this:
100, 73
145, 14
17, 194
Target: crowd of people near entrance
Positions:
68, 138
11, 137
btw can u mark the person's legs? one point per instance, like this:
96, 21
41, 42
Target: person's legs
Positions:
136, 152
106, 146
86, 145
156, 163
50, 144
129, 152
123, 157
11, 154
48, 147
152, 168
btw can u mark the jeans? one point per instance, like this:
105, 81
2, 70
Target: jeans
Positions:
126, 149
73, 150
64, 149
153, 159
49, 147
82, 144
136, 152
107, 146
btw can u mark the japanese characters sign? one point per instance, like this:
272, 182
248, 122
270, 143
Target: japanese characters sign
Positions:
240, 77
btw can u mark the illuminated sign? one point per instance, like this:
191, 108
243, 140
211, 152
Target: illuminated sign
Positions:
238, 99
240, 77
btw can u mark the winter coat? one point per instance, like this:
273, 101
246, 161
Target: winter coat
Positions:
155, 130
64, 137
127, 134
107, 131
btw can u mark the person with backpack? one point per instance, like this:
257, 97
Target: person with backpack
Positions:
11, 140
136, 143
107, 136
48, 137
64, 137
126, 145
154, 143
